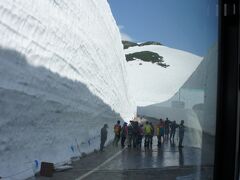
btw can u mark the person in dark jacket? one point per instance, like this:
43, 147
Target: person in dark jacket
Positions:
173, 128
167, 126
181, 133
124, 133
103, 136
140, 135
130, 134
135, 133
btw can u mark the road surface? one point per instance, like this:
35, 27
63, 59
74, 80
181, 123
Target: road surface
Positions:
167, 163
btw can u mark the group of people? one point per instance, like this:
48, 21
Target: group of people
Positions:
134, 133
167, 129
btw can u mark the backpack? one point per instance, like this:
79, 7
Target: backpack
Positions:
124, 131
117, 129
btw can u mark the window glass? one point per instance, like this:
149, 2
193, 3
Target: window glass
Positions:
179, 84
117, 89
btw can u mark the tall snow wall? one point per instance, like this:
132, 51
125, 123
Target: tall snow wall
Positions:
62, 76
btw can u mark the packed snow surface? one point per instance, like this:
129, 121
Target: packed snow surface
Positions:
62, 76
151, 83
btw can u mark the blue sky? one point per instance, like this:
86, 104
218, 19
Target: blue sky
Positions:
189, 25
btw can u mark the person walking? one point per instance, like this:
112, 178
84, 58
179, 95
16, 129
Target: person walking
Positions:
117, 131
130, 134
173, 128
160, 132
167, 126
103, 136
135, 133
181, 133
147, 134
158, 135
140, 135
124, 133
152, 134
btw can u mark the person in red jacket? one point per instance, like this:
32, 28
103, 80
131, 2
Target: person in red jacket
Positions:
117, 131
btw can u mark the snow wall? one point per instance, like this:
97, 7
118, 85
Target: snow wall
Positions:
62, 76
151, 83
195, 102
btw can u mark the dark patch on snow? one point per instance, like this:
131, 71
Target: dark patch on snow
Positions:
147, 56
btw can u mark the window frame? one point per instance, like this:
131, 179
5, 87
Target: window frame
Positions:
226, 165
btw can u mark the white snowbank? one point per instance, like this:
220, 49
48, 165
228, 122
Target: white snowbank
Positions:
151, 83
62, 76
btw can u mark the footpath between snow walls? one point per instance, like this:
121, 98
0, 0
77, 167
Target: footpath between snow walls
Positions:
62, 76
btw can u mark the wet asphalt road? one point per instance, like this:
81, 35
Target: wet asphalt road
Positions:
167, 163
